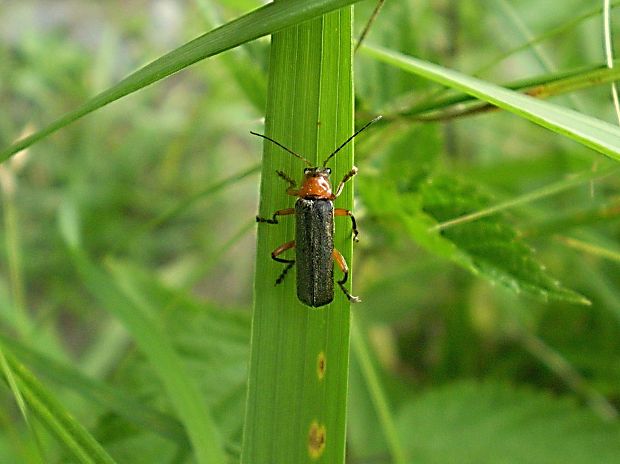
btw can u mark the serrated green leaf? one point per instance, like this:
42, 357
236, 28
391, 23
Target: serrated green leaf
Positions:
489, 247
472, 423
494, 246
406, 207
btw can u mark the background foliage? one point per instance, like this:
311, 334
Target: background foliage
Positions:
494, 340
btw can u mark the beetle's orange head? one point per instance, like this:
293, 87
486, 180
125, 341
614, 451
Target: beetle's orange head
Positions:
316, 184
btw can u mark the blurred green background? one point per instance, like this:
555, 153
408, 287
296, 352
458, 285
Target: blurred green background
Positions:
160, 191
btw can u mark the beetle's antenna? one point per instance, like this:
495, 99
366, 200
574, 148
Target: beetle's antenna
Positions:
282, 146
349, 139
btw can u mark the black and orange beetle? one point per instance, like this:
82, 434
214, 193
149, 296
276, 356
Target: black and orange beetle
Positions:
314, 230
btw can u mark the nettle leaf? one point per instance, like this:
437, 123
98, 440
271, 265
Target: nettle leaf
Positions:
495, 249
495, 423
489, 247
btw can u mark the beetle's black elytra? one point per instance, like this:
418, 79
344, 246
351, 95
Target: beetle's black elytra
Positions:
314, 238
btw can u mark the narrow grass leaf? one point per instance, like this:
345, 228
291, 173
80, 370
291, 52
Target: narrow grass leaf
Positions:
591, 132
139, 319
21, 403
567, 27
377, 393
69, 432
265, 20
126, 406
546, 191
250, 78
190, 201
452, 105
590, 248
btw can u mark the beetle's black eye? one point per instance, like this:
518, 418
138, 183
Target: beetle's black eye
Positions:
328, 171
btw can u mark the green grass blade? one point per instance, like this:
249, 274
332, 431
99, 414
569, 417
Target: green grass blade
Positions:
10, 379
310, 110
547, 190
82, 446
544, 86
187, 203
564, 369
377, 393
599, 135
265, 20
592, 249
564, 28
122, 404
250, 78
138, 317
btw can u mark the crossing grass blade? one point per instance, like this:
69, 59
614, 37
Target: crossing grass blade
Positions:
461, 104
297, 396
265, 20
591, 132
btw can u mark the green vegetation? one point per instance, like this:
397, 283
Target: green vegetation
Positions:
138, 317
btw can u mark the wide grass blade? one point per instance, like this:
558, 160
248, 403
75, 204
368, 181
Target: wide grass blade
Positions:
265, 20
297, 396
594, 133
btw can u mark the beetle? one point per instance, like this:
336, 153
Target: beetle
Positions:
314, 230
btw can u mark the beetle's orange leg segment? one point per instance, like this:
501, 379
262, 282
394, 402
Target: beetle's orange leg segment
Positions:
342, 264
289, 262
344, 180
346, 212
274, 219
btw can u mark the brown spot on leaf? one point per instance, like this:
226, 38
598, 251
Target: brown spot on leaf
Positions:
316, 440
321, 364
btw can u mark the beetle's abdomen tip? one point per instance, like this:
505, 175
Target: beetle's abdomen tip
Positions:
318, 304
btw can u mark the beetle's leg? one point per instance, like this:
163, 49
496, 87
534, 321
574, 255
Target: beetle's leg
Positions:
289, 262
274, 218
342, 264
346, 177
287, 178
292, 185
346, 212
